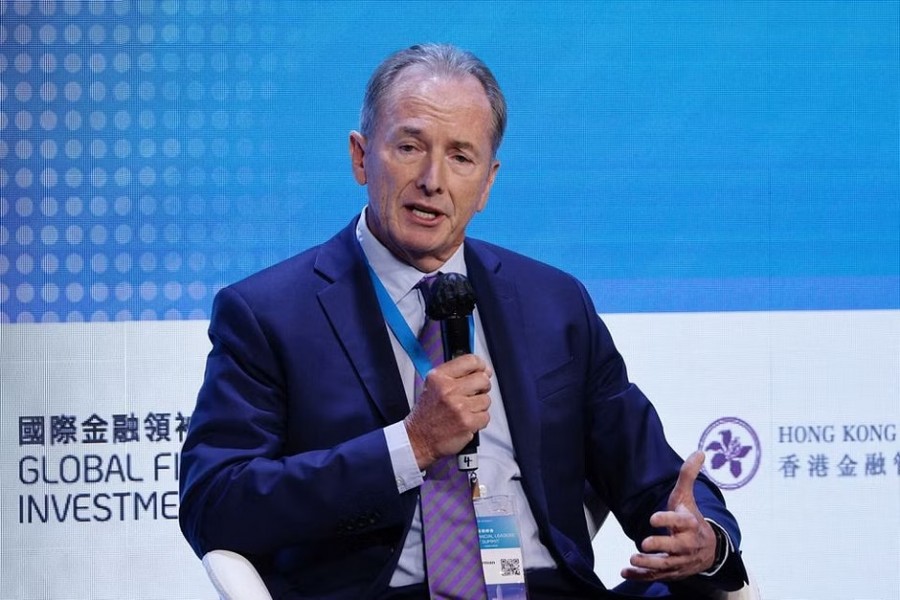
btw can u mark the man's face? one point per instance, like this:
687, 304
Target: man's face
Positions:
428, 165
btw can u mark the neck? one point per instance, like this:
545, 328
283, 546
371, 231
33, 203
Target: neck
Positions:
425, 263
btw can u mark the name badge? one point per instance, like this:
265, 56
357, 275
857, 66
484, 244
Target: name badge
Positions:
501, 548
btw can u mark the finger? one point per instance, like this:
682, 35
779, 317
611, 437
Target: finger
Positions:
477, 383
478, 403
449, 379
643, 567
658, 566
639, 574
481, 422
683, 493
464, 365
471, 392
680, 519
635, 574
673, 545
659, 562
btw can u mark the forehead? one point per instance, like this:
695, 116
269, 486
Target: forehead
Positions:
455, 101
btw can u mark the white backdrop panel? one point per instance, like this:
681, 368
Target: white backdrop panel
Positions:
820, 391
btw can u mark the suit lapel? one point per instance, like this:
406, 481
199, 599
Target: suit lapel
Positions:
501, 315
351, 307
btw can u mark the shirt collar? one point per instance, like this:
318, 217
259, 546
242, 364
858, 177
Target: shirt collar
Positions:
398, 278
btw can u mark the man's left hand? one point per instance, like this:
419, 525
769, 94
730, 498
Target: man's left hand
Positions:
690, 546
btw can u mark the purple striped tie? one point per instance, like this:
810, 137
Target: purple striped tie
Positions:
452, 557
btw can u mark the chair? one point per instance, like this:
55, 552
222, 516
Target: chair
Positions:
748, 592
235, 577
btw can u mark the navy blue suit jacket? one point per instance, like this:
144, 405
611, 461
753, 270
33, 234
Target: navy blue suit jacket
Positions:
286, 461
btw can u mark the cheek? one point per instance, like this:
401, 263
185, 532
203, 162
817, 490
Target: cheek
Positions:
380, 191
477, 198
391, 182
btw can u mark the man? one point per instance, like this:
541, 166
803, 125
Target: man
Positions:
307, 447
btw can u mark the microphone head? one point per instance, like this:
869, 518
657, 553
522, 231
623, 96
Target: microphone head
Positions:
451, 296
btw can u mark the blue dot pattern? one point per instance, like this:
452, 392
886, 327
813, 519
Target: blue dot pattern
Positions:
152, 151
131, 133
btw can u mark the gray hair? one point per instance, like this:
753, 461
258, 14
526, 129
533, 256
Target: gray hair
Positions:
439, 59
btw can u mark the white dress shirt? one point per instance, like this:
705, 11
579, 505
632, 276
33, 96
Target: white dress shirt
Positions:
498, 471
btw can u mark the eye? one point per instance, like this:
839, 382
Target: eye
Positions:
461, 159
406, 148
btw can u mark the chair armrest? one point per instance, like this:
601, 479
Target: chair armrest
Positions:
750, 591
234, 577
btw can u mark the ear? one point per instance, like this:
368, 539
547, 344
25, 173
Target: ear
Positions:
357, 156
492, 174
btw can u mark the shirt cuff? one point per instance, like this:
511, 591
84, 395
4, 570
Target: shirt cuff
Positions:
728, 548
403, 460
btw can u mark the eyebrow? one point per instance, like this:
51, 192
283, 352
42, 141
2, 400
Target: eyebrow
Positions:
462, 145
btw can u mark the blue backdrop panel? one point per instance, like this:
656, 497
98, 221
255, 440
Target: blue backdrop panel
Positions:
676, 156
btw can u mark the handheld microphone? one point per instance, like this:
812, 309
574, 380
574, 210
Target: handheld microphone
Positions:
451, 301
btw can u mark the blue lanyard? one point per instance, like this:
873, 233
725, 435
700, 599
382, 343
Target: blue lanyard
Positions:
400, 327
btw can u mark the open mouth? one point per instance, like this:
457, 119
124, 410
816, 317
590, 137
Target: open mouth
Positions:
424, 214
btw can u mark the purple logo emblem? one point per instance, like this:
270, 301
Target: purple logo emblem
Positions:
732, 452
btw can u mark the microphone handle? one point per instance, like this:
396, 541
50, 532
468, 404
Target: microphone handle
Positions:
455, 330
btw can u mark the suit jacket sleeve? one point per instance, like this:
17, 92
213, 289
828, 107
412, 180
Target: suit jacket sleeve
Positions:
630, 462
250, 481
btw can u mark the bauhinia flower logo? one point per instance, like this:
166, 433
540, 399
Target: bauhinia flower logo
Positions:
723, 445
729, 452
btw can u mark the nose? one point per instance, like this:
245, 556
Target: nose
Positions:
431, 178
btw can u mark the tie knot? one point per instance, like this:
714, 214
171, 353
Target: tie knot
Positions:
425, 286
430, 334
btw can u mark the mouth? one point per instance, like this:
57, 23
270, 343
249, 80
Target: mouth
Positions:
423, 213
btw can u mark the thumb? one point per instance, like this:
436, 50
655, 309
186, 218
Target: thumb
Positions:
683, 493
